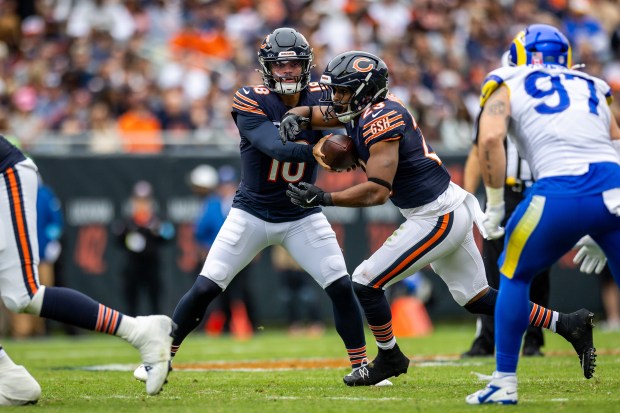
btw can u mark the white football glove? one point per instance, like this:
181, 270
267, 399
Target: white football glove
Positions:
493, 216
590, 255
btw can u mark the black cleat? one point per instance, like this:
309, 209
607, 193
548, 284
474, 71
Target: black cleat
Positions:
531, 350
478, 351
388, 363
576, 328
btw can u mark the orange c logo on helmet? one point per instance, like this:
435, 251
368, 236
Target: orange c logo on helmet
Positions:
363, 60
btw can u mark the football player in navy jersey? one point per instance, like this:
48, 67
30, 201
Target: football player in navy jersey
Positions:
261, 214
22, 293
403, 168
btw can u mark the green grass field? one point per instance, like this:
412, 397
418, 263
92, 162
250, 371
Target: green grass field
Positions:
437, 381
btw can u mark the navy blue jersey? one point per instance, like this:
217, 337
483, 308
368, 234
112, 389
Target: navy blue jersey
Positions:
267, 165
420, 177
9, 154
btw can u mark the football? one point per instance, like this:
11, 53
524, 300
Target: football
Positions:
339, 151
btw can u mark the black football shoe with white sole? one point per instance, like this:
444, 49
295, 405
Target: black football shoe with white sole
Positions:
388, 363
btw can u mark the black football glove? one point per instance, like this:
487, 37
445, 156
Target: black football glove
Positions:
307, 195
290, 126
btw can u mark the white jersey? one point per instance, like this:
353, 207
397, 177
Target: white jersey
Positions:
560, 117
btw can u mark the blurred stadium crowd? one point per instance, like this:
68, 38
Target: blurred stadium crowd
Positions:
152, 76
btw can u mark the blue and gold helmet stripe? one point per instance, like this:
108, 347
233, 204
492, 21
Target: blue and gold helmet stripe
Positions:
518, 54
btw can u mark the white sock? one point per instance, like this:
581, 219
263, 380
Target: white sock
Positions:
554, 320
127, 326
387, 346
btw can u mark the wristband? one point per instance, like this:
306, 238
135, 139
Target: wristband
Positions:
327, 199
495, 196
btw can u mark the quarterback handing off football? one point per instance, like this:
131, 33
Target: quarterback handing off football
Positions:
339, 151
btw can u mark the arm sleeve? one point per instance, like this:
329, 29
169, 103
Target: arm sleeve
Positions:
263, 135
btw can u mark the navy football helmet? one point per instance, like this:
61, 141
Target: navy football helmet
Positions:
540, 44
285, 44
364, 74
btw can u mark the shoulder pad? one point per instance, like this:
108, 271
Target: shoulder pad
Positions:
383, 121
491, 83
246, 99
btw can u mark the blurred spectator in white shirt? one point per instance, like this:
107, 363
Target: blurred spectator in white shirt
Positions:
107, 15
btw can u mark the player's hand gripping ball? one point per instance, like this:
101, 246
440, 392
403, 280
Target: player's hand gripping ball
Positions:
340, 153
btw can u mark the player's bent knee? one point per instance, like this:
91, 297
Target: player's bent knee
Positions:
464, 292
205, 288
333, 268
363, 273
365, 293
218, 272
36, 303
24, 303
340, 289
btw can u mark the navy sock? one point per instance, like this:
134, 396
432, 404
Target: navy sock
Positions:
191, 308
348, 319
485, 305
75, 308
378, 313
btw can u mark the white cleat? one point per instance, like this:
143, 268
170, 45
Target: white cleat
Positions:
500, 390
17, 386
153, 339
384, 383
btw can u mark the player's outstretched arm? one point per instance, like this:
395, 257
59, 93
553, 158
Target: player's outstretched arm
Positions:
263, 135
471, 172
492, 131
305, 117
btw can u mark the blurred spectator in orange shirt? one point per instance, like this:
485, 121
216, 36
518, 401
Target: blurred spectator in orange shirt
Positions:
139, 128
205, 32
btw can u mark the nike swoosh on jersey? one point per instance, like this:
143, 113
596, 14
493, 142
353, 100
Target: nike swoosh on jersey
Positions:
374, 115
247, 92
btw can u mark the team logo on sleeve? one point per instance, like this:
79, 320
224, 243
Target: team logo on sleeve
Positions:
381, 126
